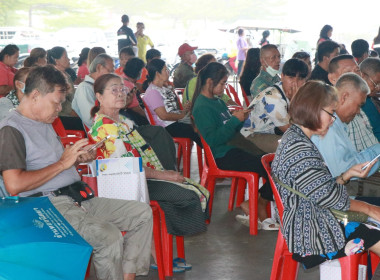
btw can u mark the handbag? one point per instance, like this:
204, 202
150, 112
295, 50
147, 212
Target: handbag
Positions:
343, 216
36, 242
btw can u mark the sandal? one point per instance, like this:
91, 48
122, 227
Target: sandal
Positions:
181, 263
269, 224
176, 269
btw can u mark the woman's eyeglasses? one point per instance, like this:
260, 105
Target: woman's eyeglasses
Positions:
115, 90
330, 114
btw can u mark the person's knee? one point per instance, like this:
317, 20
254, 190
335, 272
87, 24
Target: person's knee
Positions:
102, 234
146, 212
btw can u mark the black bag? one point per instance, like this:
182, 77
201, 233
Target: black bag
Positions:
78, 191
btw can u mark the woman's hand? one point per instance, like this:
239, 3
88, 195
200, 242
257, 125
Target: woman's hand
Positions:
356, 171
72, 153
374, 212
242, 115
173, 176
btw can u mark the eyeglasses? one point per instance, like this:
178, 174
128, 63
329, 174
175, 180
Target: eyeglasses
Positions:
377, 86
115, 90
330, 114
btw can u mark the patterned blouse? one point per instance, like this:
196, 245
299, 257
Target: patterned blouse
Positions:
124, 141
309, 227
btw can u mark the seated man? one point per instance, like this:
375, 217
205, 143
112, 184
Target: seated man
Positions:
326, 51
359, 129
34, 163
84, 98
360, 50
185, 71
370, 69
336, 147
270, 59
269, 117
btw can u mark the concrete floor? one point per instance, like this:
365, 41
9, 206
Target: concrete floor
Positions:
227, 251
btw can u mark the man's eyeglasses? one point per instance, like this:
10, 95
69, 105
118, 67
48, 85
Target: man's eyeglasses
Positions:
377, 86
115, 90
330, 114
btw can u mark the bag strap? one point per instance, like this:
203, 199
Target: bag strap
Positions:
289, 188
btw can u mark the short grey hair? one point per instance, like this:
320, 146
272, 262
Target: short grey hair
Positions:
99, 59
352, 80
370, 66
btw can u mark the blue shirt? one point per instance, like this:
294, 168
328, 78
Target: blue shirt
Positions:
373, 115
340, 153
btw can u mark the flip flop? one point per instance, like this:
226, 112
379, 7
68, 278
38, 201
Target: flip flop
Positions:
270, 224
176, 269
181, 263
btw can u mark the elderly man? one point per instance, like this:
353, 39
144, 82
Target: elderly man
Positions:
269, 118
270, 59
370, 69
84, 98
326, 51
336, 147
185, 71
359, 129
34, 163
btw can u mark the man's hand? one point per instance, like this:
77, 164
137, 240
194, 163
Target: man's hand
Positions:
89, 156
72, 153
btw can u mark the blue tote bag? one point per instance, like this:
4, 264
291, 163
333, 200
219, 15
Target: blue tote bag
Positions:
36, 242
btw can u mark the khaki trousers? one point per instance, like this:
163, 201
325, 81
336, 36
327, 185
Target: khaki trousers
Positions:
100, 223
266, 142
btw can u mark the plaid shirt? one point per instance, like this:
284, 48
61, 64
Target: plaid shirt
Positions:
360, 132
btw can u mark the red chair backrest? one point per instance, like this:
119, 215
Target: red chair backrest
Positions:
149, 113
245, 96
231, 91
266, 160
209, 157
59, 128
179, 93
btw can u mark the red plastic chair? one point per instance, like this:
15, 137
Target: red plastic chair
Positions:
67, 136
246, 100
231, 92
239, 180
184, 148
284, 267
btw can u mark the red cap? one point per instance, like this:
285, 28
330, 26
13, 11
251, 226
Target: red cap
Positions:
185, 48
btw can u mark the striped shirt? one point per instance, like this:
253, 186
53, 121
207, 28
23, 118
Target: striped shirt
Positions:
360, 132
309, 227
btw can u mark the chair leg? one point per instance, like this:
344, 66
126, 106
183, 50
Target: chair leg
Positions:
200, 161
187, 158
240, 191
289, 269
204, 175
157, 242
278, 257
180, 247
167, 247
232, 193
253, 188
211, 189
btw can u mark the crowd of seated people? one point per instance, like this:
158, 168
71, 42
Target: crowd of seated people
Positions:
342, 91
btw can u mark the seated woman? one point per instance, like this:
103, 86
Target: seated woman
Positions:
184, 212
218, 127
132, 73
311, 231
8, 59
251, 70
12, 100
163, 103
190, 87
37, 57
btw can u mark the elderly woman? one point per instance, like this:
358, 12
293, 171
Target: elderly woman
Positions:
8, 59
184, 213
12, 100
57, 56
312, 232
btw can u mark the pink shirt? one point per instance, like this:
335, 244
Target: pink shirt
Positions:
130, 85
154, 100
6, 74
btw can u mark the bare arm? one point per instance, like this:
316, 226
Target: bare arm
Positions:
19, 180
5, 89
167, 175
164, 115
